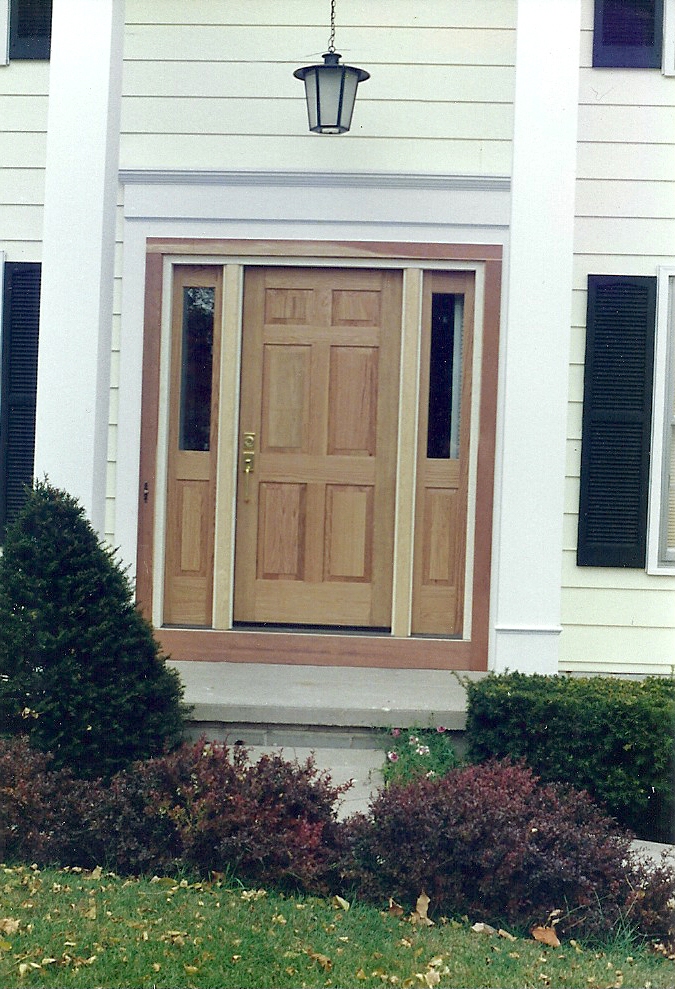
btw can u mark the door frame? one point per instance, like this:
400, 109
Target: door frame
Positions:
468, 653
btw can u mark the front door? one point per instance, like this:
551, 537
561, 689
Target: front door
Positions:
317, 448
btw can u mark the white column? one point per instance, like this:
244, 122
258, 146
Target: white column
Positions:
78, 248
529, 512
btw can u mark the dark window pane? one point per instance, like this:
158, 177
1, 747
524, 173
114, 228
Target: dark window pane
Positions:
197, 353
629, 22
34, 18
445, 376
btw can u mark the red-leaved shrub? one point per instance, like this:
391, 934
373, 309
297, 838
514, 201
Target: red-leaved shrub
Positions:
491, 842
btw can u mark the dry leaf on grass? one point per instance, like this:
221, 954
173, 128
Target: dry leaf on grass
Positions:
480, 928
322, 960
395, 909
419, 914
546, 935
505, 934
340, 903
8, 925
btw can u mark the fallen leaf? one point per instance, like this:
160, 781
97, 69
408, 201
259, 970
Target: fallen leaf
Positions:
546, 935
361, 974
96, 873
90, 914
483, 929
322, 960
191, 969
341, 903
505, 934
5, 945
8, 925
419, 914
395, 909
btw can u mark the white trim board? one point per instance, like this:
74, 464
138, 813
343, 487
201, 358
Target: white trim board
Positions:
4, 32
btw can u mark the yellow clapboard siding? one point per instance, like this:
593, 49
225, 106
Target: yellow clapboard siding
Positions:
436, 83
637, 162
301, 150
629, 578
629, 124
430, 13
25, 78
23, 150
619, 608
271, 115
22, 186
587, 648
596, 198
21, 223
626, 235
23, 113
239, 43
624, 86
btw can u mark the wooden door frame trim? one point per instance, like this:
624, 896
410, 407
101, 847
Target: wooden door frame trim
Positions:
306, 648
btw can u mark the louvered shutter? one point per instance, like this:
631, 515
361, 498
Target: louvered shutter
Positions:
616, 421
30, 29
628, 33
19, 382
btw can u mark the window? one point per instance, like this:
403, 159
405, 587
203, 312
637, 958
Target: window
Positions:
30, 29
661, 546
616, 424
20, 320
628, 33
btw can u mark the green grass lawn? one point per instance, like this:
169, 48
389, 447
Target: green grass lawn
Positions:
72, 928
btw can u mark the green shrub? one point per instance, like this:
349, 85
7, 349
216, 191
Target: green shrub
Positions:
614, 738
490, 842
80, 671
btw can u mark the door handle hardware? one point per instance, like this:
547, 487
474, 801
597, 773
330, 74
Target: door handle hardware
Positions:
248, 461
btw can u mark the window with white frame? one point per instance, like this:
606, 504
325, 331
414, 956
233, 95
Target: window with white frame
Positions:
661, 554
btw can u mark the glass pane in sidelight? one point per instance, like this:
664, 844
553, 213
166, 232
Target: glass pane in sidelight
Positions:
445, 376
196, 368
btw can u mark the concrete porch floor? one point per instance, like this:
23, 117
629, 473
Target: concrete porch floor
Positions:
330, 713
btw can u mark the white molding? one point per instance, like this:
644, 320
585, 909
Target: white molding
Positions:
668, 53
663, 350
293, 179
4, 32
529, 629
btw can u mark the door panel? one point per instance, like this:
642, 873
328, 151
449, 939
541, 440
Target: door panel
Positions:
443, 454
193, 424
319, 386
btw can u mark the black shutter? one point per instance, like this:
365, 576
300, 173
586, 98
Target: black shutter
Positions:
30, 29
19, 383
616, 428
628, 33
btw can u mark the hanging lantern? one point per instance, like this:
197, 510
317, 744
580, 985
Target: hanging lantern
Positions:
330, 89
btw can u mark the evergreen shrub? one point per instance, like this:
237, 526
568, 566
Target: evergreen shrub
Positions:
80, 671
614, 738
491, 842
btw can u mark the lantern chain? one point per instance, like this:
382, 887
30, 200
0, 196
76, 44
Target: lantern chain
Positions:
331, 40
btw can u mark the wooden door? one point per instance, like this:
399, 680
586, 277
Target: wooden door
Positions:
443, 453
319, 393
193, 430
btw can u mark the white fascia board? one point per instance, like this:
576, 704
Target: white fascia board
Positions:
4, 32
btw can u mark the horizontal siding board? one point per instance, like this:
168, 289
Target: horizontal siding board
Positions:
596, 648
19, 113
185, 116
25, 78
639, 162
377, 45
644, 200
25, 186
467, 83
627, 235
628, 124
21, 223
23, 150
620, 608
381, 13
621, 87
306, 151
